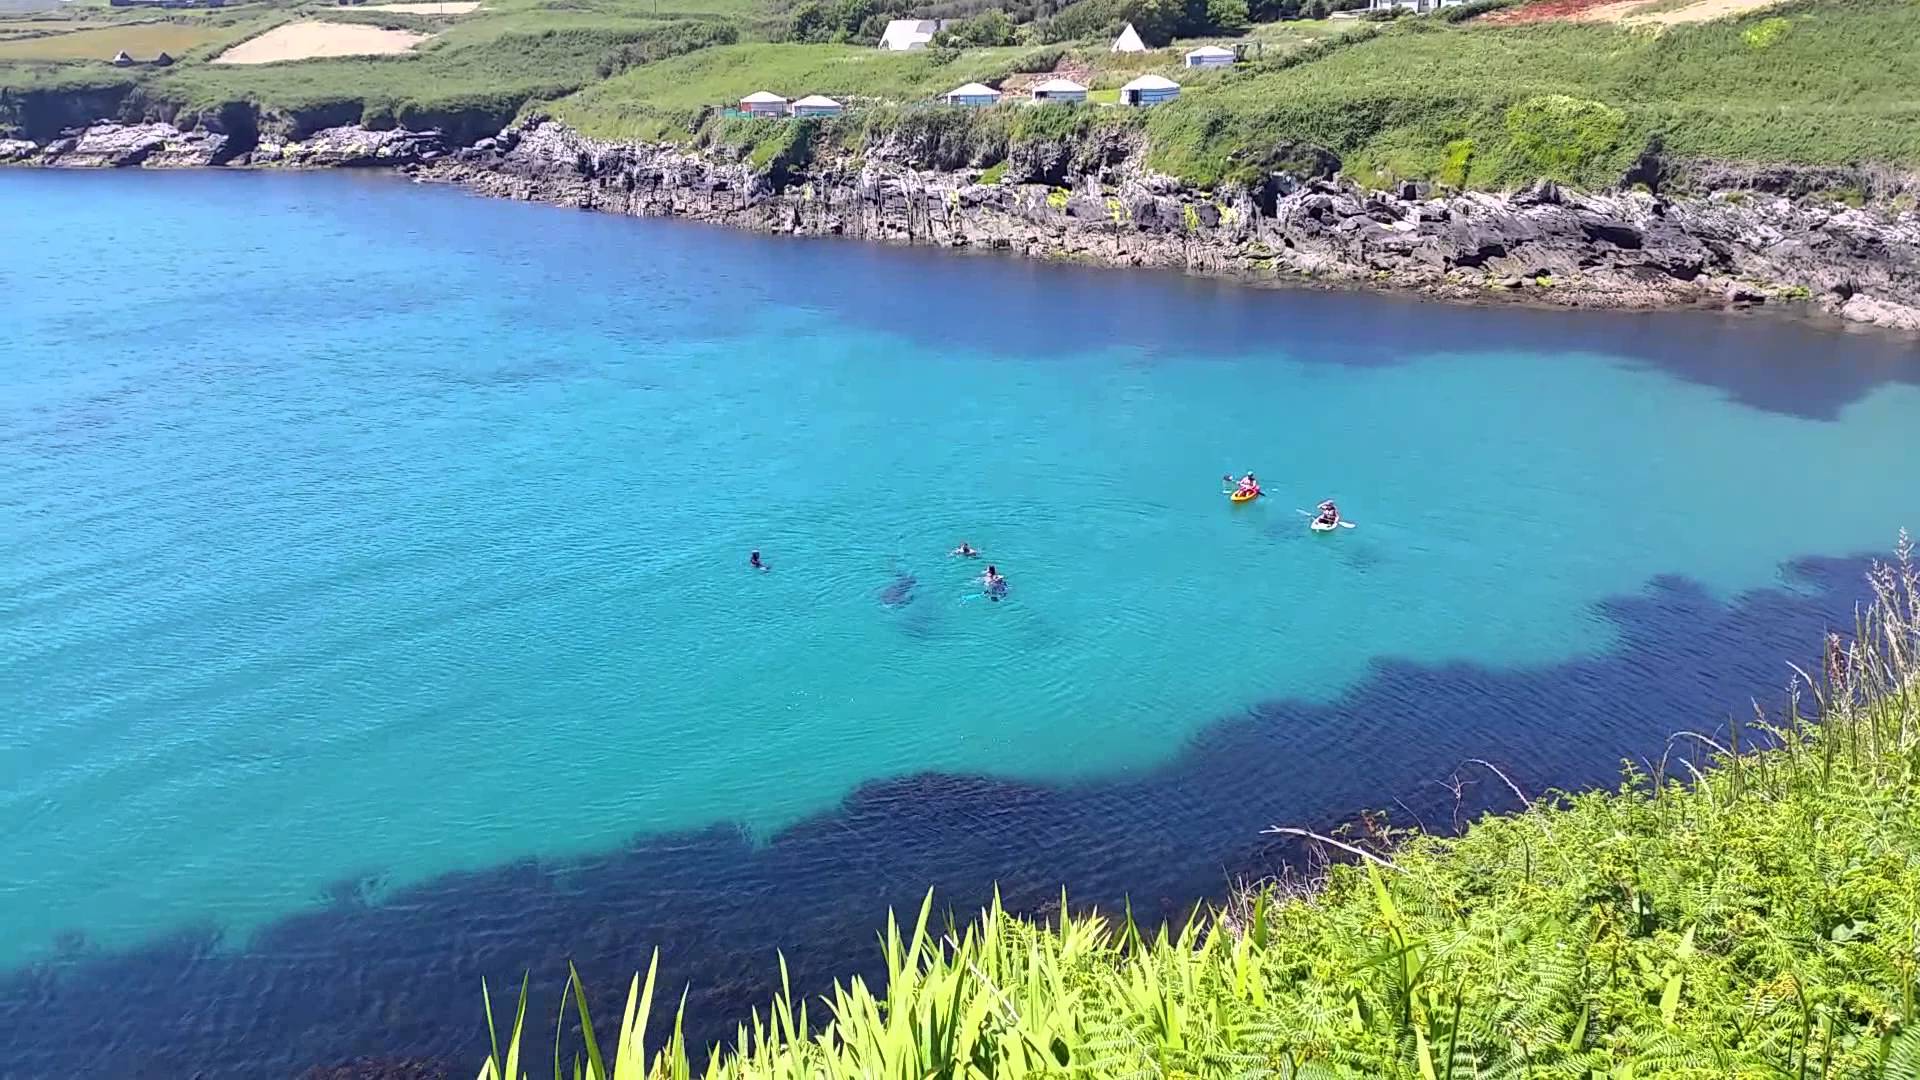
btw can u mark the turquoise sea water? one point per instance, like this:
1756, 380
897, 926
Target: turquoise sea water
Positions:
358, 532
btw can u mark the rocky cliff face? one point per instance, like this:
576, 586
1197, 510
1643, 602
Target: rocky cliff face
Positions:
1623, 250
161, 145
1096, 203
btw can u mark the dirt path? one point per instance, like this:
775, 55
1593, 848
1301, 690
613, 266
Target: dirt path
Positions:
1629, 12
1700, 12
306, 40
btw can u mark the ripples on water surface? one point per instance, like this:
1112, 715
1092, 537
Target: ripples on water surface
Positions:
361, 544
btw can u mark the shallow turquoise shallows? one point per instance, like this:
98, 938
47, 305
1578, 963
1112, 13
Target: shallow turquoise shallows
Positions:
353, 528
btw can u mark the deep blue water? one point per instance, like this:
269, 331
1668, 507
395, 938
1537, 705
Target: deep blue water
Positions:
374, 614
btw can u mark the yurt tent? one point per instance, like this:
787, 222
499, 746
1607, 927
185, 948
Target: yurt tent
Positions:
974, 95
1210, 56
764, 103
817, 105
1149, 90
1059, 90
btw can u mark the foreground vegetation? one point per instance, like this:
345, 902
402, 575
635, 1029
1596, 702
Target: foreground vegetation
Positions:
1760, 918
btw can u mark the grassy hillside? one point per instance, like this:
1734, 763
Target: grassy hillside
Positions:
1819, 82
1823, 82
1761, 920
487, 79
660, 100
472, 77
1816, 82
143, 40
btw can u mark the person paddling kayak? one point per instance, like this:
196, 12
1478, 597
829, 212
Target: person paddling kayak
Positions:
1329, 514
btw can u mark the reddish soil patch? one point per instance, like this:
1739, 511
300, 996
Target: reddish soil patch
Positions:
1541, 10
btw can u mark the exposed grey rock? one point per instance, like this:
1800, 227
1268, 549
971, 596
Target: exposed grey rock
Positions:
343, 147
1096, 201
109, 145
1631, 249
1861, 308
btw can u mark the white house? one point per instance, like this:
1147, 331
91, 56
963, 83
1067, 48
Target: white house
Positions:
1149, 90
905, 35
816, 105
1129, 41
1060, 90
974, 95
1412, 7
1210, 56
764, 103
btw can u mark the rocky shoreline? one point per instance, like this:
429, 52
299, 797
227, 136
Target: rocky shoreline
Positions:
1633, 249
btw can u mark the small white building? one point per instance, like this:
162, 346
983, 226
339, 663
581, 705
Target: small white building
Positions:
973, 95
1129, 41
1060, 90
816, 105
1412, 7
764, 103
906, 35
1149, 90
1210, 56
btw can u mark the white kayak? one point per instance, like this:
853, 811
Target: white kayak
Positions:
1323, 526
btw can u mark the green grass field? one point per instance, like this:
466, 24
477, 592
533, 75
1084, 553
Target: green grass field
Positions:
1471, 105
661, 99
140, 40
1833, 81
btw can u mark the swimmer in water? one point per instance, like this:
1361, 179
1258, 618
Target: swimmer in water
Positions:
967, 551
753, 560
993, 583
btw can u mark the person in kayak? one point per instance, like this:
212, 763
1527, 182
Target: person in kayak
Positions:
967, 551
993, 583
753, 560
1249, 486
1329, 514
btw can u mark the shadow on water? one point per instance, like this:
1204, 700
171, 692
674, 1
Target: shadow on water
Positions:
1768, 360
398, 976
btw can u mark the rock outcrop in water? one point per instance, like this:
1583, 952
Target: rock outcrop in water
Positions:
1095, 202
1633, 249
162, 145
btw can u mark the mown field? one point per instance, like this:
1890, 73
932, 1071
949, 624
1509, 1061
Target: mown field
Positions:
1756, 918
142, 41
